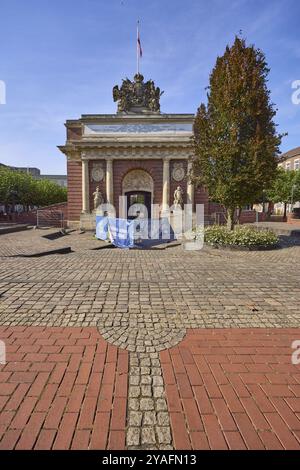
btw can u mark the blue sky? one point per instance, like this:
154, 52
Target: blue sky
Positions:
61, 58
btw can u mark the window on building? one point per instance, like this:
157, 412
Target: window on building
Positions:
288, 166
296, 164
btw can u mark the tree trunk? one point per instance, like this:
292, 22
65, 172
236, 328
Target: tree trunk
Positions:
230, 218
270, 208
284, 211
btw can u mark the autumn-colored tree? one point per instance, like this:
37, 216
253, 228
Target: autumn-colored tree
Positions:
235, 139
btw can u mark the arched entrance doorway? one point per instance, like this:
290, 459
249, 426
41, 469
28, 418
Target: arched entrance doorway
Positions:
137, 186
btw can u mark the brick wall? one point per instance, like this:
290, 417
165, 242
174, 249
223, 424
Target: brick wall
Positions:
201, 197
248, 217
120, 169
74, 133
74, 190
153, 167
174, 184
93, 184
50, 215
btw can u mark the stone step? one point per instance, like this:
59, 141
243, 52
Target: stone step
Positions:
10, 228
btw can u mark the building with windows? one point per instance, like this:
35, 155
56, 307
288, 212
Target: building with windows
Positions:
61, 180
290, 160
139, 153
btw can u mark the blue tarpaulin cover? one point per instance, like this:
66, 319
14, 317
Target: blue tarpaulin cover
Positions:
102, 228
119, 231
123, 233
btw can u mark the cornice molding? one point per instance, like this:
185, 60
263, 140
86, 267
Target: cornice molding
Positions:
136, 153
123, 152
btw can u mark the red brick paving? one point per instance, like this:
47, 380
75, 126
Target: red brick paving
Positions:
234, 389
66, 388
62, 388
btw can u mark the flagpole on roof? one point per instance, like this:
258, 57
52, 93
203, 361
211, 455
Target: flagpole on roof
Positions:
139, 51
137, 48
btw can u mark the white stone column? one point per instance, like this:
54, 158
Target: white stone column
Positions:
85, 187
166, 184
109, 181
190, 186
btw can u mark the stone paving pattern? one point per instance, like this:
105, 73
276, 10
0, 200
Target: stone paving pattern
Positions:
148, 418
127, 293
142, 303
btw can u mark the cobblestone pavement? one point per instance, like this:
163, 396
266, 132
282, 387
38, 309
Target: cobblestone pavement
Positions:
148, 418
142, 302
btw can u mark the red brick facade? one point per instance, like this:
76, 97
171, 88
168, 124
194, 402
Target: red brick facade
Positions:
136, 141
120, 169
201, 197
74, 190
174, 184
50, 213
155, 169
94, 184
74, 133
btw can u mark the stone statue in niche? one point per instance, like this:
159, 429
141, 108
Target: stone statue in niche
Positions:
98, 198
178, 197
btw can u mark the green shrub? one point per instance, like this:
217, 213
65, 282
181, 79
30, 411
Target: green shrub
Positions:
242, 235
216, 235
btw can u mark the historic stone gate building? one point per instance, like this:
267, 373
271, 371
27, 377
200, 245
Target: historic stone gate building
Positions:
138, 153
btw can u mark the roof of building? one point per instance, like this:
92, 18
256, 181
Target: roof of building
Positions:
53, 176
124, 117
34, 171
291, 153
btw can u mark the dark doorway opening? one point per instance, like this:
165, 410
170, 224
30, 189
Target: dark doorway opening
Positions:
138, 198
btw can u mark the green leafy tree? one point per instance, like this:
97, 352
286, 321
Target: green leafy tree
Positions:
6, 184
19, 187
235, 139
49, 192
15, 187
285, 188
